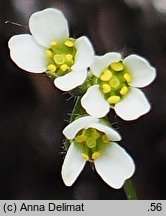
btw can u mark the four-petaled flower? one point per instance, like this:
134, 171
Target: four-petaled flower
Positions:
117, 86
50, 49
92, 140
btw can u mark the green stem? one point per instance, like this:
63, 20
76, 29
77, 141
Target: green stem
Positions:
130, 190
77, 110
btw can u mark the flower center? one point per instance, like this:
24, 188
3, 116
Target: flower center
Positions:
91, 143
60, 57
115, 82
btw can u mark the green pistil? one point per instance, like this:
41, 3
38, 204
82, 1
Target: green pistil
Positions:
60, 57
115, 82
91, 143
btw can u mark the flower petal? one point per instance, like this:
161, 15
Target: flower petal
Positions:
101, 62
115, 166
48, 25
73, 128
94, 103
27, 54
72, 165
110, 132
84, 55
133, 105
71, 80
142, 72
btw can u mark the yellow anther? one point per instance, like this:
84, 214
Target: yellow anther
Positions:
106, 75
113, 99
49, 54
91, 142
54, 43
95, 134
106, 88
96, 155
69, 57
51, 68
124, 90
127, 77
85, 156
105, 138
117, 66
69, 43
59, 59
64, 67
114, 82
80, 138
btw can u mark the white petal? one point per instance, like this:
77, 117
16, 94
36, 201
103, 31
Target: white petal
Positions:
73, 128
48, 25
115, 166
84, 55
94, 102
133, 105
142, 72
110, 132
71, 80
102, 62
72, 165
27, 54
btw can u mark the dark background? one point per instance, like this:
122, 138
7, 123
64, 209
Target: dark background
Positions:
33, 111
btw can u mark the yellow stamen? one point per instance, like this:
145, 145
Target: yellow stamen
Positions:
85, 156
96, 155
69, 57
80, 138
64, 67
69, 43
49, 54
106, 88
114, 82
51, 68
106, 75
91, 142
127, 77
117, 66
113, 99
54, 43
59, 59
105, 139
124, 90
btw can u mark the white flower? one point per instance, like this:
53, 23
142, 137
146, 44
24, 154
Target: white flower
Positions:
117, 86
159, 5
93, 141
50, 49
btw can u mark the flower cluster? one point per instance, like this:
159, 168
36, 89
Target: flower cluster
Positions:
109, 82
